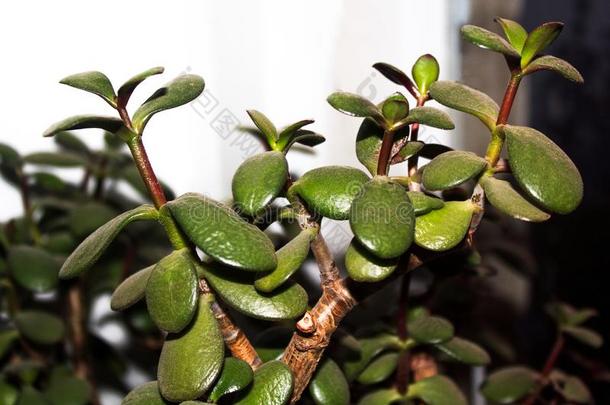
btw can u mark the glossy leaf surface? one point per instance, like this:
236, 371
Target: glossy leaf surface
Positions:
537, 41
425, 72
328, 385
145, 394
423, 204
379, 369
509, 384
235, 376
430, 329
363, 266
443, 229
368, 143
452, 169
514, 32
272, 385
465, 351
504, 197
437, 390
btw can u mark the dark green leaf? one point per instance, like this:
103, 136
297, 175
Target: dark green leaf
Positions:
430, 329
423, 204
544, 171
72, 143
86, 218
7, 338
451, 169
8, 393
428, 116
67, 390
394, 74
288, 135
258, 181
554, 64
503, 196
93, 82
432, 150
31, 396
443, 229
222, 234
425, 72
265, 125
514, 32
235, 376
87, 253
368, 143
59, 159
395, 108
382, 218
329, 191
379, 369
33, 268
465, 351
466, 99
109, 124
124, 92
272, 385
566, 315
537, 41
408, 150
355, 105
371, 346
48, 181
131, 290
171, 292
145, 394
488, 40
328, 385
289, 259
385, 396
437, 390
237, 290
571, 387
191, 361
584, 335
305, 137
179, 91
509, 384
40, 327
9, 157
363, 266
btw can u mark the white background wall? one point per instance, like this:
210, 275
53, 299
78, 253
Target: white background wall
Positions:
282, 58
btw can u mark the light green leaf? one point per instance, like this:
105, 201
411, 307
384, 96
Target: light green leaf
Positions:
303, 137
451, 169
328, 385
191, 361
67, 390
40, 327
171, 291
58, 159
537, 41
509, 384
466, 99
465, 351
443, 229
288, 135
425, 71
382, 218
265, 125
109, 124
554, 64
235, 376
145, 394
503, 196
423, 204
514, 32
394, 108
437, 390
90, 250
131, 290
430, 329
93, 82
179, 91
127, 88
363, 266
33, 268
289, 259
584, 335
488, 40
8, 393
355, 105
428, 116
272, 385
379, 369
222, 234
385, 396
410, 149
543, 170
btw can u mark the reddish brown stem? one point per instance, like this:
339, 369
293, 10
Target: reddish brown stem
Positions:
549, 365
385, 152
509, 98
413, 162
146, 171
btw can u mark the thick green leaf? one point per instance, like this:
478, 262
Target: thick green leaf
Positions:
363, 266
584, 335
355, 105
272, 385
171, 292
394, 108
67, 390
382, 218
566, 315
509, 384
131, 290
259, 180
488, 40
379, 369
430, 329
503, 196
237, 290
328, 385
554, 64
370, 347
85, 218
543, 170
31, 396
58, 159
466, 99
288, 135
9, 157
109, 124
423, 204
235, 376
451, 169
394, 74
329, 191
303, 137
8, 393
429, 116
289, 259
368, 143
514, 32
385, 396
145, 394
537, 41
33, 268
571, 387
432, 150
437, 390
191, 361
443, 229
181, 90
223, 234
425, 72
70, 142
409, 149
265, 125
465, 351
90, 250
127, 88
48, 181
93, 82
40, 327
7, 338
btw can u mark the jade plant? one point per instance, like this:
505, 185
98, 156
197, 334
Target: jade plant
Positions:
224, 265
